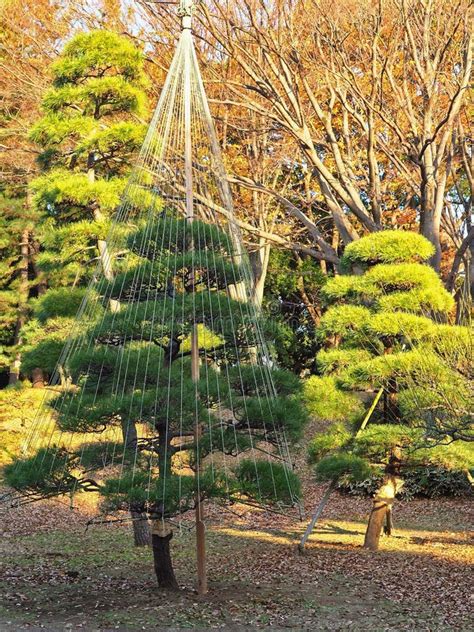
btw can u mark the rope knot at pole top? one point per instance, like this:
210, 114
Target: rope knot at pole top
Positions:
185, 11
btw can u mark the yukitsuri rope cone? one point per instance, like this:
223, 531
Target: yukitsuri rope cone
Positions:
166, 396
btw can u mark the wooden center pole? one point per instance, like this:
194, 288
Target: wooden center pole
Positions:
188, 169
200, 526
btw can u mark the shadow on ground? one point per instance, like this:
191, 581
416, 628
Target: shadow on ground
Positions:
96, 580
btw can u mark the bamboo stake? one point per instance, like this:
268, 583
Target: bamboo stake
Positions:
332, 485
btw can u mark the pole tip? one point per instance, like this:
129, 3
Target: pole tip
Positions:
186, 22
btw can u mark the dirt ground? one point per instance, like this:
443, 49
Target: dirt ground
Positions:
55, 575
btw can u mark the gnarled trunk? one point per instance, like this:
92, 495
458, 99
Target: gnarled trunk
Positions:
382, 512
161, 537
161, 531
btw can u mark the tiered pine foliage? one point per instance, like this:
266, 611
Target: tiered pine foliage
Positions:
88, 136
386, 325
135, 375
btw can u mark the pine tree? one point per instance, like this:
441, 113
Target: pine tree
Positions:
16, 278
137, 374
88, 135
385, 327
292, 292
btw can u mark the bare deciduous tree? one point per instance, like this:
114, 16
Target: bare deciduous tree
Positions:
370, 93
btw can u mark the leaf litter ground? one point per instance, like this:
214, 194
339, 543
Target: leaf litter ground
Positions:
57, 576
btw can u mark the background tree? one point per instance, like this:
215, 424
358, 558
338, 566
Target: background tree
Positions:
386, 327
27, 47
18, 278
371, 97
458, 222
88, 135
293, 298
350, 102
136, 375
31, 33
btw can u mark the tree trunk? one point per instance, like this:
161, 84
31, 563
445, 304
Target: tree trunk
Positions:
470, 270
22, 299
161, 531
430, 228
37, 378
388, 528
162, 557
259, 261
141, 528
14, 370
105, 259
376, 521
381, 511
104, 254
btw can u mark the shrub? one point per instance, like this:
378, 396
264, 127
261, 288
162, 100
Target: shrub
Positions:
383, 330
422, 482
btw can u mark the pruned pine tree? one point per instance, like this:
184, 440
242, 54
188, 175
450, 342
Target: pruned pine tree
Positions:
385, 326
136, 375
88, 135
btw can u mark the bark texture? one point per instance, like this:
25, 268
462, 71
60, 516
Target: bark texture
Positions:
381, 512
162, 562
376, 522
141, 528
